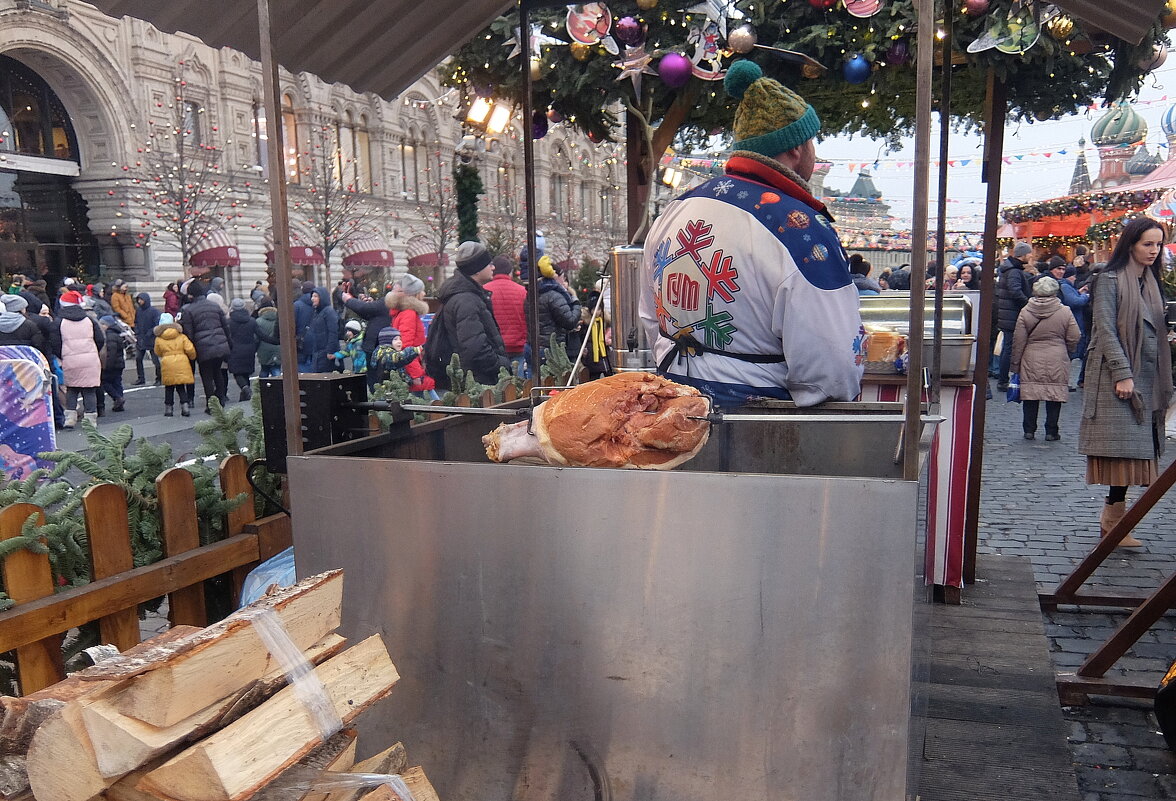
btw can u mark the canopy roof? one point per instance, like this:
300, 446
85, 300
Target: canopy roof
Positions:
379, 46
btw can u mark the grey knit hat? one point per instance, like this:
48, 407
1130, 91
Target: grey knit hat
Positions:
410, 284
1022, 249
472, 258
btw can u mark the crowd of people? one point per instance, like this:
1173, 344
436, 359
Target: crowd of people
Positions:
87, 333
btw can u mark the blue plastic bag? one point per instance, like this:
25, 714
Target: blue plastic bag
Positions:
1013, 393
277, 569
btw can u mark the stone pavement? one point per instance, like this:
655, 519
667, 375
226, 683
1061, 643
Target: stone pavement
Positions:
1034, 503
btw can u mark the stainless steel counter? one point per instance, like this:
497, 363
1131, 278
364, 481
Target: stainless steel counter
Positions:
571, 634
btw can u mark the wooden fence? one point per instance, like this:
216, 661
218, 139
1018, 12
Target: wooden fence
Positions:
34, 627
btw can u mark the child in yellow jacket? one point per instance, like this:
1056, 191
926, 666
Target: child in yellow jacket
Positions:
176, 354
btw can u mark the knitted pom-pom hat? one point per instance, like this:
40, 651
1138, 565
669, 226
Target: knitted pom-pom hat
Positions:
771, 118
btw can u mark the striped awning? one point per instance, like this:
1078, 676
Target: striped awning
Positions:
367, 251
301, 256
379, 46
214, 248
429, 260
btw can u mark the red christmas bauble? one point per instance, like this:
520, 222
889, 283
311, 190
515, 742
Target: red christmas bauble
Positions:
822, 5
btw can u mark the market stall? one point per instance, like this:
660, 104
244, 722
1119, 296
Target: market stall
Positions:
749, 626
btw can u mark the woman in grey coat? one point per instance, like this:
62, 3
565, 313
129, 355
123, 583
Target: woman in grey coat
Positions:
1045, 336
1128, 373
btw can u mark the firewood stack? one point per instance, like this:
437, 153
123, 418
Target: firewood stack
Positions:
210, 715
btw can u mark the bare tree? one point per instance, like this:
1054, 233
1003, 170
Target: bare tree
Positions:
569, 235
436, 213
330, 199
181, 182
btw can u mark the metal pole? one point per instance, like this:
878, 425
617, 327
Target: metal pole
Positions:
941, 227
995, 110
529, 188
591, 321
924, 62
291, 406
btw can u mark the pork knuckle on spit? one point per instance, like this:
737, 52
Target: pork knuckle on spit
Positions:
632, 420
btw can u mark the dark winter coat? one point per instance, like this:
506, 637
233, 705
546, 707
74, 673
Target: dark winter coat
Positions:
1012, 292
470, 328
113, 354
376, 314
303, 314
146, 318
243, 341
205, 324
322, 334
171, 302
559, 311
269, 353
1045, 336
16, 329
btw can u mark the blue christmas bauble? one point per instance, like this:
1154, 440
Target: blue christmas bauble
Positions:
856, 68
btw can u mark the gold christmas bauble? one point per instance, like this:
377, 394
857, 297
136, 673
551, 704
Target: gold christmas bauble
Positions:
645, 5
1060, 27
536, 69
1169, 18
580, 52
811, 71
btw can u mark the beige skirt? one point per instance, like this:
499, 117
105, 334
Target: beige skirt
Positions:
1115, 472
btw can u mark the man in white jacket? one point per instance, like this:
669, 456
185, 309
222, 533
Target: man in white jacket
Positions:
750, 291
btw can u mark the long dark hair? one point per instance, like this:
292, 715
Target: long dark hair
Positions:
1133, 231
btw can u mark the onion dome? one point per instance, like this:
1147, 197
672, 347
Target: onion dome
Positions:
1168, 123
1142, 162
1121, 125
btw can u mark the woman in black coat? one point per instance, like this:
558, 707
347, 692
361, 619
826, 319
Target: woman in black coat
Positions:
205, 324
244, 337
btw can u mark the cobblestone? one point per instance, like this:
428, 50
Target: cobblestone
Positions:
1035, 503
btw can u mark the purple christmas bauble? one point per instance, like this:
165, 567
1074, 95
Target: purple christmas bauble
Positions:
674, 69
898, 54
856, 68
629, 31
974, 8
538, 125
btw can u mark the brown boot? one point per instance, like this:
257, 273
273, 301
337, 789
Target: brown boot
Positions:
1112, 513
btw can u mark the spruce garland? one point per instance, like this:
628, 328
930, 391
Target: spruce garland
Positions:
467, 185
1052, 79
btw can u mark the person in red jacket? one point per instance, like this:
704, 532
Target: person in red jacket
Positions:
405, 309
509, 299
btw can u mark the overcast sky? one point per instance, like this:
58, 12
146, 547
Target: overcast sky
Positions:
1033, 177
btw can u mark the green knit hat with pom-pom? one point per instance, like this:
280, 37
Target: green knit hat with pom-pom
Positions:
771, 118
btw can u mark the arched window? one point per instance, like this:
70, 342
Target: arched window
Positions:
260, 140
290, 141
345, 152
190, 124
363, 156
410, 166
33, 119
561, 168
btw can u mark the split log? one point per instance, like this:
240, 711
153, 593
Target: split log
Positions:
121, 743
336, 754
181, 680
238, 760
418, 784
391, 760
23, 716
